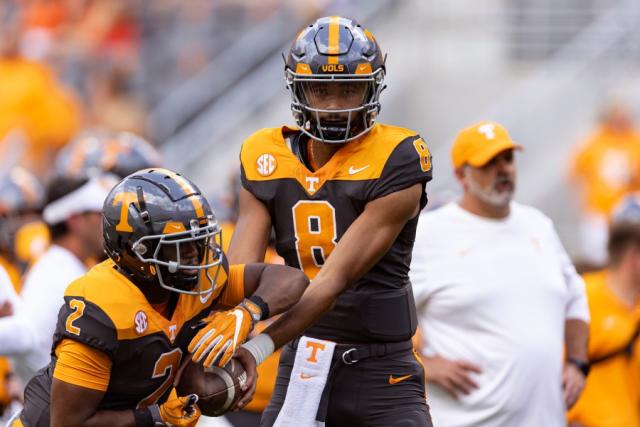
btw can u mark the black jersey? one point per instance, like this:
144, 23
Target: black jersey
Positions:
311, 211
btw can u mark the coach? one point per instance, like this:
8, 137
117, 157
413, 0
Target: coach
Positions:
497, 299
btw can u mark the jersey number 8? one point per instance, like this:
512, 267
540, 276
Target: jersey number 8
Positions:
314, 225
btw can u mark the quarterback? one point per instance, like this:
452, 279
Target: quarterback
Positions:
124, 326
343, 194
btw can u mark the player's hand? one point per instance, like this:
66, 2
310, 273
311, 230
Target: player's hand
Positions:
222, 335
572, 384
452, 375
177, 412
249, 388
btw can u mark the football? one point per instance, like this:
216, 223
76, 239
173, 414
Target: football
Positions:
218, 389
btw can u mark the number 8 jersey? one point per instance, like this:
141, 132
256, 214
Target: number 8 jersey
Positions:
311, 210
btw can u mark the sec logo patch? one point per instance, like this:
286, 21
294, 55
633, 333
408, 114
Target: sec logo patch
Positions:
140, 321
266, 164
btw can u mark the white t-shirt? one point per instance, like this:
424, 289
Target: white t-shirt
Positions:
496, 293
42, 296
16, 336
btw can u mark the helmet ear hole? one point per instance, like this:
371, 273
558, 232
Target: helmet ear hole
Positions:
140, 249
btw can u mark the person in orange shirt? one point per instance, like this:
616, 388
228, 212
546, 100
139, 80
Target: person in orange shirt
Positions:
612, 392
37, 116
606, 168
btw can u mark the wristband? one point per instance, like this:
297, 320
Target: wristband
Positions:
254, 310
583, 365
143, 418
260, 303
260, 347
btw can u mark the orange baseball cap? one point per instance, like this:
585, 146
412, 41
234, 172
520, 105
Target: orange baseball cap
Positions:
478, 144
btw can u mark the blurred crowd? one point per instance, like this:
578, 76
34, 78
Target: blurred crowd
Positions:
79, 77
66, 65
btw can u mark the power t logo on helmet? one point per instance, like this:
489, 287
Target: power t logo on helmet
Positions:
158, 227
335, 72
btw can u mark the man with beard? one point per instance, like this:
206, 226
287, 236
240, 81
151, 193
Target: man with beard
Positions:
498, 299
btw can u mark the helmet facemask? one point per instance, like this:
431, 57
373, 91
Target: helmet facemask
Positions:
360, 93
187, 262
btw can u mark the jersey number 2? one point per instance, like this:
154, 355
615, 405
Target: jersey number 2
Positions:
167, 364
314, 225
78, 310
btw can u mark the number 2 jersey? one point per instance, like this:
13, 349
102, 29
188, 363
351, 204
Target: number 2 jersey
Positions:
311, 210
116, 342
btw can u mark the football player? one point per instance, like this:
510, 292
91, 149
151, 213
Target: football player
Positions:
95, 152
23, 236
343, 194
124, 327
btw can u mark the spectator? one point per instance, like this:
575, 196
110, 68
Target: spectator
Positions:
497, 299
605, 168
72, 213
611, 393
23, 237
32, 104
10, 392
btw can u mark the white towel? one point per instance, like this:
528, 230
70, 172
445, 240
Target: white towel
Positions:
307, 381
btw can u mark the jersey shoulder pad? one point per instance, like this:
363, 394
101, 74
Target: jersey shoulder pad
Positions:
83, 318
367, 158
265, 156
394, 133
114, 295
408, 161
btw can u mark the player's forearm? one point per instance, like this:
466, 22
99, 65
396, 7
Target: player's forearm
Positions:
281, 287
99, 419
313, 304
576, 336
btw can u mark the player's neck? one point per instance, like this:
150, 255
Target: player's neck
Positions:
319, 153
154, 293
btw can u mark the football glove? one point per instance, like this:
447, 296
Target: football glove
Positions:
223, 333
177, 412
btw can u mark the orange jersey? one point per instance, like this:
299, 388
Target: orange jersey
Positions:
610, 396
5, 371
608, 167
110, 338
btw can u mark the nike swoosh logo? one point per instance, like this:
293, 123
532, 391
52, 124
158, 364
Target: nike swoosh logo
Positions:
305, 377
203, 300
239, 316
353, 171
397, 380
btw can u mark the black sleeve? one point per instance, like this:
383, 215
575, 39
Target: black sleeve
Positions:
88, 325
246, 183
408, 164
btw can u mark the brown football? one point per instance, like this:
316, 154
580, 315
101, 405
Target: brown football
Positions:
218, 389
